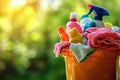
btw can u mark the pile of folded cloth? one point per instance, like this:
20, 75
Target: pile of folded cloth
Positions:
102, 38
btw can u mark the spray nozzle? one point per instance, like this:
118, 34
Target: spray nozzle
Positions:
98, 11
89, 6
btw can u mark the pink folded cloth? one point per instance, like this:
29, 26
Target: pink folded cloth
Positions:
59, 46
102, 38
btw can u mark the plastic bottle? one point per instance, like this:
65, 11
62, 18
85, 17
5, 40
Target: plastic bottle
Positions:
86, 22
73, 23
99, 13
63, 35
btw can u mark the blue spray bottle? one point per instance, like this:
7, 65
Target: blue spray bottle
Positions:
99, 13
86, 22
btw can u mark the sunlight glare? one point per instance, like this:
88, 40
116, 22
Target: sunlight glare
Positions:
17, 3
44, 4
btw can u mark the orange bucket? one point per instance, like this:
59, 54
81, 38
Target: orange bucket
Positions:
101, 65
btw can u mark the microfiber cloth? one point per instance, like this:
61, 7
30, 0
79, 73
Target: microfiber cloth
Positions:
59, 46
102, 38
81, 51
108, 25
115, 29
75, 36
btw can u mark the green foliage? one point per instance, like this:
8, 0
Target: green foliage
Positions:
28, 35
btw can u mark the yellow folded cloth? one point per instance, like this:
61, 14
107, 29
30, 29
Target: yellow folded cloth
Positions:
75, 36
108, 25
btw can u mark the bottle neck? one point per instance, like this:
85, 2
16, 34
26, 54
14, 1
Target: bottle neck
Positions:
98, 18
73, 19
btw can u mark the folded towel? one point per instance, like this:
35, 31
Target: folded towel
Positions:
81, 51
108, 25
115, 29
88, 31
101, 38
59, 47
75, 36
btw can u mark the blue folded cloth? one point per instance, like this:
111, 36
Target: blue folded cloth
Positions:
81, 51
116, 29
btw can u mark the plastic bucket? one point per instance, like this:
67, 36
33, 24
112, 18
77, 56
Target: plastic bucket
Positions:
101, 65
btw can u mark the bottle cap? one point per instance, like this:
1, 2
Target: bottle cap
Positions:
84, 16
89, 6
73, 15
60, 29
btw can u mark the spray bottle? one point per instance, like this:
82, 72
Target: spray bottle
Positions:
99, 13
73, 23
86, 22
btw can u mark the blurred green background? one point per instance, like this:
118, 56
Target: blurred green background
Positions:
28, 33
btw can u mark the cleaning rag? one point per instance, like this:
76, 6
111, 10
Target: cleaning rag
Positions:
75, 36
81, 51
115, 29
59, 47
102, 38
